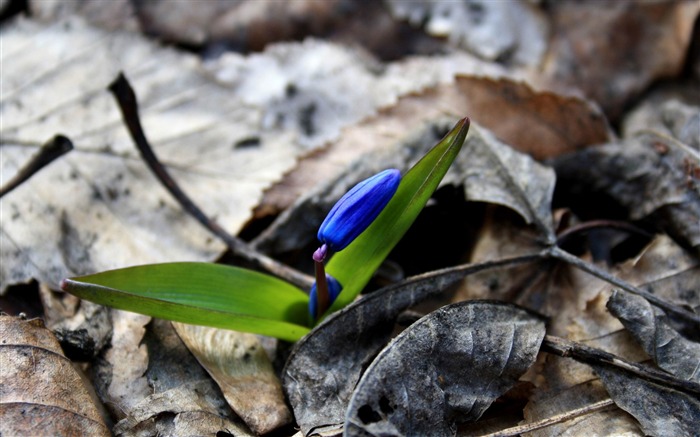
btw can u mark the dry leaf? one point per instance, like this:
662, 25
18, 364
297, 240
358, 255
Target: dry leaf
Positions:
588, 43
40, 391
506, 32
100, 208
445, 369
651, 176
164, 390
241, 368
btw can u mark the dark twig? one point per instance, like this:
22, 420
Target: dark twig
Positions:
49, 152
126, 99
560, 254
590, 355
600, 224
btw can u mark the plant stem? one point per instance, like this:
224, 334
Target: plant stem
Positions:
323, 298
560, 254
126, 99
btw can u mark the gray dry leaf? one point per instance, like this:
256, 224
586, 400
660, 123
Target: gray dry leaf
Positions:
493, 172
170, 394
651, 328
445, 369
651, 175
507, 32
241, 368
324, 366
661, 411
99, 207
41, 393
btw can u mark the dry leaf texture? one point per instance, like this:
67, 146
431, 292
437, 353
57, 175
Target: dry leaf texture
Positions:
41, 393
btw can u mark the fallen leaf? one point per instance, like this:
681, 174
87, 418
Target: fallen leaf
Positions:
447, 368
608, 422
587, 43
242, 370
41, 393
99, 208
650, 327
180, 398
672, 111
513, 33
493, 172
651, 176
541, 123
661, 411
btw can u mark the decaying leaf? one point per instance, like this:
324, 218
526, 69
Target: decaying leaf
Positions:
493, 172
180, 398
541, 123
650, 327
588, 42
661, 411
445, 369
99, 208
608, 422
41, 393
513, 32
324, 366
650, 175
673, 111
242, 370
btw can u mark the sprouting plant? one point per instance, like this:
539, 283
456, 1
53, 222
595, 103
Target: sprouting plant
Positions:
358, 234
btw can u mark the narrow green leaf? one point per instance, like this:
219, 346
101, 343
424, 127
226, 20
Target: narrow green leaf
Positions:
353, 267
201, 294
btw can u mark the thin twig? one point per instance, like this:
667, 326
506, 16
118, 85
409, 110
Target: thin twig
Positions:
549, 421
598, 224
590, 355
558, 253
49, 152
126, 99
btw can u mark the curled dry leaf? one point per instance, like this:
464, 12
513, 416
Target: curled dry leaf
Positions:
241, 368
669, 349
652, 176
180, 398
445, 369
493, 172
41, 393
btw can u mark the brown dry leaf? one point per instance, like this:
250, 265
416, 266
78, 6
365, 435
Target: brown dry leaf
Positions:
239, 365
559, 124
541, 123
153, 385
589, 42
41, 393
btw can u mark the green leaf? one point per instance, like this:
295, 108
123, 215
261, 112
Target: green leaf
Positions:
354, 266
201, 294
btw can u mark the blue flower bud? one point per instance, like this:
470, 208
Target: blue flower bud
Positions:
354, 212
334, 289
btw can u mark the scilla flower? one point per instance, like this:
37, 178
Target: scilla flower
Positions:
354, 212
348, 218
334, 289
